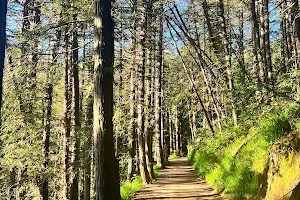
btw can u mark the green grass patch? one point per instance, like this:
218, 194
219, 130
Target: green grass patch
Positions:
236, 161
173, 156
128, 189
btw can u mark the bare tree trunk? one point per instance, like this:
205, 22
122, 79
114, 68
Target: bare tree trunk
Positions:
86, 191
3, 10
67, 120
87, 169
263, 50
148, 117
49, 101
49, 93
3, 7
158, 97
296, 31
283, 39
241, 42
267, 40
177, 131
132, 125
171, 132
107, 180
255, 40
288, 31
141, 96
212, 38
228, 60
76, 164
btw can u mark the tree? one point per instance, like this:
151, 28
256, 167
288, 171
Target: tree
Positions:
140, 69
75, 52
158, 91
132, 110
296, 31
107, 184
3, 9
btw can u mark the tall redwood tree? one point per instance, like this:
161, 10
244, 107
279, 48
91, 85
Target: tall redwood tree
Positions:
107, 184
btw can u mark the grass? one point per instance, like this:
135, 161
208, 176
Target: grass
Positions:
173, 156
128, 189
236, 161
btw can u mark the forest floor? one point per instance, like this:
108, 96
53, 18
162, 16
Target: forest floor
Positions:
178, 181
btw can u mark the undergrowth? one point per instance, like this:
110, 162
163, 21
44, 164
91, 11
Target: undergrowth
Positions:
129, 188
236, 160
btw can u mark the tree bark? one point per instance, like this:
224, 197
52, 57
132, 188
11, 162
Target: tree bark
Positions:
107, 180
3, 10
49, 102
141, 95
171, 132
241, 47
255, 41
158, 97
267, 39
76, 164
87, 170
296, 31
148, 118
212, 38
67, 117
228, 60
132, 124
283, 39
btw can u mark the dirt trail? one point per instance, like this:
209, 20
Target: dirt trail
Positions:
178, 181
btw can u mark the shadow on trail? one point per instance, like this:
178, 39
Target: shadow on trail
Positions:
178, 181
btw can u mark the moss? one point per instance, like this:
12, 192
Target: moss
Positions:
284, 168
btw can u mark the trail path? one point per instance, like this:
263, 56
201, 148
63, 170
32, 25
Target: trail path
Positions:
178, 181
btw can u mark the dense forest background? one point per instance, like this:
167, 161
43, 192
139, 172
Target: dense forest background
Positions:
99, 95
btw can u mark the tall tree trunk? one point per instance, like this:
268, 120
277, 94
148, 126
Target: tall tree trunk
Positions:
167, 150
148, 118
67, 120
171, 132
296, 31
158, 88
263, 50
132, 126
107, 180
76, 164
48, 110
49, 97
87, 170
89, 124
227, 54
33, 71
267, 39
288, 31
283, 38
212, 37
241, 42
255, 41
177, 129
3, 10
141, 95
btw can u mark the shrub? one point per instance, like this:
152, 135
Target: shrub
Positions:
236, 160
